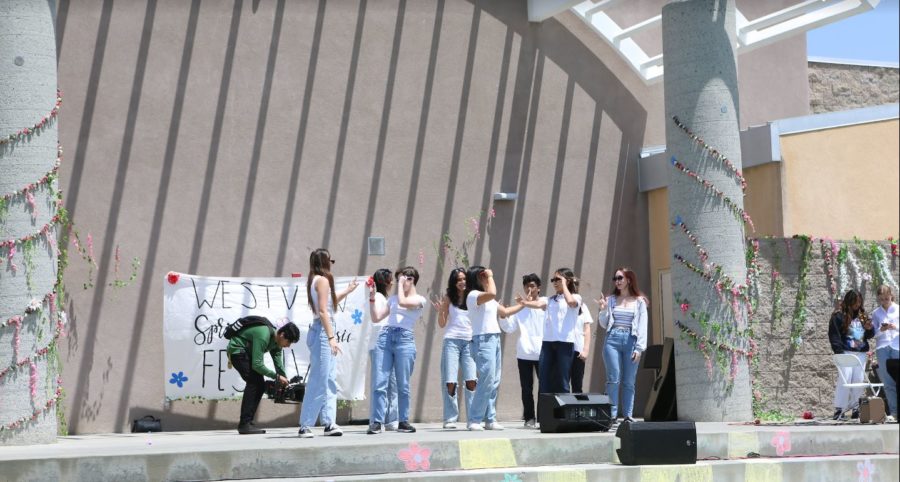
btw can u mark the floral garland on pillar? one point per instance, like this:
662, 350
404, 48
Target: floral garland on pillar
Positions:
50, 302
720, 343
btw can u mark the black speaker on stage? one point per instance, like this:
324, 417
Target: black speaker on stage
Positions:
657, 443
573, 412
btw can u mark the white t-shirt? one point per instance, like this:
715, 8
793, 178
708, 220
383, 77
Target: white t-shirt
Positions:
561, 320
459, 327
380, 304
314, 296
583, 319
483, 317
405, 317
530, 323
889, 338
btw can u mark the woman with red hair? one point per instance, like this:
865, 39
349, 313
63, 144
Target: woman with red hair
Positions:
624, 316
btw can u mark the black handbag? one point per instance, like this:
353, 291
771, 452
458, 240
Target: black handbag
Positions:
147, 424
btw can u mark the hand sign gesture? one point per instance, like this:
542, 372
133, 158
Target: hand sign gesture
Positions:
601, 301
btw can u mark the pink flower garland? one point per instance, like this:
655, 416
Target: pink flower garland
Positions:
12, 242
730, 167
27, 131
45, 179
738, 212
47, 405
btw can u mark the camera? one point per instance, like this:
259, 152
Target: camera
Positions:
291, 393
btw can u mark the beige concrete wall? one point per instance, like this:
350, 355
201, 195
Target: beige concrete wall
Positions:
842, 182
836, 87
231, 138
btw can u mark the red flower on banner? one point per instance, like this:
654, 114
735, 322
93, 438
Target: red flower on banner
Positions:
172, 277
415, 457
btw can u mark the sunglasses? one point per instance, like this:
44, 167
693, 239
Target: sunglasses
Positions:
333, 261
555, 280
618, 278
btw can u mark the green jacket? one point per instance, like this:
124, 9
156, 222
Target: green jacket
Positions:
255, 341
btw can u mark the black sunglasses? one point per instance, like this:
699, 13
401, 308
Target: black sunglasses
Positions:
618, 278
554, 280
333, 261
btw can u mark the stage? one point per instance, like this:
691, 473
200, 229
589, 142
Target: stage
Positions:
811, 451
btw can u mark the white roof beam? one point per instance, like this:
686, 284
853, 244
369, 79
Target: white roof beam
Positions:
638, 27
540, 10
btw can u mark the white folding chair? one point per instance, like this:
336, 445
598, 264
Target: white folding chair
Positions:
846, 360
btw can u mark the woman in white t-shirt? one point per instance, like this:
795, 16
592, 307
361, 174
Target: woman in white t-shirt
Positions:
560, 324
380, 285
456, 353
483, 308
887, 342
320, 400
397, 344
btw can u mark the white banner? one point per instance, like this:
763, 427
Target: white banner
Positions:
197, 309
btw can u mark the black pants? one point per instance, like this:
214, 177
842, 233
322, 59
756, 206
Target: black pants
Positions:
253, 392
527, 370
577, 373
555, 366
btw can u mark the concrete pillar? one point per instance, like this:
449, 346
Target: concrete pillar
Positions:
701, 89
27, 94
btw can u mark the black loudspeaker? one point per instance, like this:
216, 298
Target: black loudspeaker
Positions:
661, 404
657, 443
573, 412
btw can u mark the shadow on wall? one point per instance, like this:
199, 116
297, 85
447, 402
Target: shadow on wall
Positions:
510, 148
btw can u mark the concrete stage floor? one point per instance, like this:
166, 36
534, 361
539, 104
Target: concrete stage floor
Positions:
802, 451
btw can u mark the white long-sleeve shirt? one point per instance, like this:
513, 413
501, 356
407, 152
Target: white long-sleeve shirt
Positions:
530, 323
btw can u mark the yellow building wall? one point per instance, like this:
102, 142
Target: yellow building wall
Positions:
843, 182
840, 183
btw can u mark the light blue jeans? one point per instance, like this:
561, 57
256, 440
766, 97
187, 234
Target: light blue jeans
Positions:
486, 352
391, 411
455, 355
890, 386
398, 355
620, 370
320, 399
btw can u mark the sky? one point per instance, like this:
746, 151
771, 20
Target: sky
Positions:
870, 36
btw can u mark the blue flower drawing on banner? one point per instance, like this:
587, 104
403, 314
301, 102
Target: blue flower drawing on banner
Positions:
511, 478
357, 317
178, 379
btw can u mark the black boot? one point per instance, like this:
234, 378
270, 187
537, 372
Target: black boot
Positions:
249, 429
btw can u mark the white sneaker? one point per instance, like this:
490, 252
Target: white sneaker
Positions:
531, 423
391, 427
493, 426
450, 425
890, 419
476, 427
334, 430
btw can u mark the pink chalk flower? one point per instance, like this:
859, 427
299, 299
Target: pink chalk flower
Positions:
865, 470
782, 442
415, 458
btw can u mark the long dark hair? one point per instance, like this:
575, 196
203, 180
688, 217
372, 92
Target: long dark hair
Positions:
847, 312
452, 292
320, 264
571, 281
472, 283
382, 279
632, 285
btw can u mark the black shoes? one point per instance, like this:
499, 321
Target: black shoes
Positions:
406, 427
375, 427
249, 429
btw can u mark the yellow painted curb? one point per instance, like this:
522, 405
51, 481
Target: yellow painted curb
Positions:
563, 476
756, 471
486, 454
742, 443
682, 473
